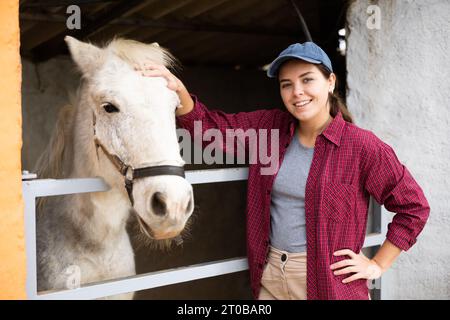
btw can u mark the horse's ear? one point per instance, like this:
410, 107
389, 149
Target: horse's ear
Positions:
87, 56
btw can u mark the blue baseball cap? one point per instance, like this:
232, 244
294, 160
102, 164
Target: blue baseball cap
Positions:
308, 51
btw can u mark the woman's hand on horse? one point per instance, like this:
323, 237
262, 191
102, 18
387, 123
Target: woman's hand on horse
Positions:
358, 264
149, 69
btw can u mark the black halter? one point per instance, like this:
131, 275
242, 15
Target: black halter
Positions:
130, 174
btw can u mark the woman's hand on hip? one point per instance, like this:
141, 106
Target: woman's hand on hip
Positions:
359, 265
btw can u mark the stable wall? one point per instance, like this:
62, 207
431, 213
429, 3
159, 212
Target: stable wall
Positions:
398, 87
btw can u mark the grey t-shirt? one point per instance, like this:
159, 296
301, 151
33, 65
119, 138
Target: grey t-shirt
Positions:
287, 208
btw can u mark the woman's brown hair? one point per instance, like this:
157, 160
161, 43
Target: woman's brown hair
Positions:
336, 102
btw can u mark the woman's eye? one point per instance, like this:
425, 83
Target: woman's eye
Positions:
285, 85
306, 80
110, 108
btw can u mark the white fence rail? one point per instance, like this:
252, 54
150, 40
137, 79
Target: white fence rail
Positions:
33, 189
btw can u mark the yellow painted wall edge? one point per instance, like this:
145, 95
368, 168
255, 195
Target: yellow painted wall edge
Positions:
12, 241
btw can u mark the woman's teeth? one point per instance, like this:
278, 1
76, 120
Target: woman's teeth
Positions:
302, 103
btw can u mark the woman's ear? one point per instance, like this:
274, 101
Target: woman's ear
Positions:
332, 82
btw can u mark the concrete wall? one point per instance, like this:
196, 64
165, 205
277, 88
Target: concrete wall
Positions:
399, 89
12, 243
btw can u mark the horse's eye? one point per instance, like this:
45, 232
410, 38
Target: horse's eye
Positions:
110, 108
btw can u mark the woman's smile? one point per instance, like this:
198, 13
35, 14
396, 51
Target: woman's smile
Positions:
301, 103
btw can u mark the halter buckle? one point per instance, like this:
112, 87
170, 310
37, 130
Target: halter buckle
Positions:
129, 173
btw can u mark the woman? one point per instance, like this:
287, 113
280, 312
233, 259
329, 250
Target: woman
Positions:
311, 215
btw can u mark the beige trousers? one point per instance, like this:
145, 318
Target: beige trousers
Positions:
284, 276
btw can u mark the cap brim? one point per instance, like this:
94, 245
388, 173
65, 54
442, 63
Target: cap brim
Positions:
275, 66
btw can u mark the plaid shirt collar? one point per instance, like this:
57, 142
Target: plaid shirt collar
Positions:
333, 132
335, 129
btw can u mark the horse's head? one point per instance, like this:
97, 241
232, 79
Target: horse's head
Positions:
133, 125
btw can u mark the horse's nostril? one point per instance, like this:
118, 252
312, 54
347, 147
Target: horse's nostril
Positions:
159, 204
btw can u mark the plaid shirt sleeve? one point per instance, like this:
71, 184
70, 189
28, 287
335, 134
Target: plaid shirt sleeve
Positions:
216, 119
392, 185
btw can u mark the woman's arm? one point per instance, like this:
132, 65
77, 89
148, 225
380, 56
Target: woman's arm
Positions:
392, 185
386, 255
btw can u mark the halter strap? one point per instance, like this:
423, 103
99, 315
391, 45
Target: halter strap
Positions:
115, 160
158, 171
130, 174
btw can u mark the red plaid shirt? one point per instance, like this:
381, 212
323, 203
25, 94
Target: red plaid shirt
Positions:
349, 165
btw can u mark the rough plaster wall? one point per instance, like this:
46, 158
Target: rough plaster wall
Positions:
399, 89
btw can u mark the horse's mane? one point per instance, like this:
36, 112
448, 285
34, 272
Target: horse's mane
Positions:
136, 53
50, 163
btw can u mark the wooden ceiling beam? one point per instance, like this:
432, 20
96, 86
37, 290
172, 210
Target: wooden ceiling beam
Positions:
55, 45
176, 25
155, 11
60, 3
200, 7
107, 32
159, 10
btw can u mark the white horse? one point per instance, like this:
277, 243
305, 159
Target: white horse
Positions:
121, 128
